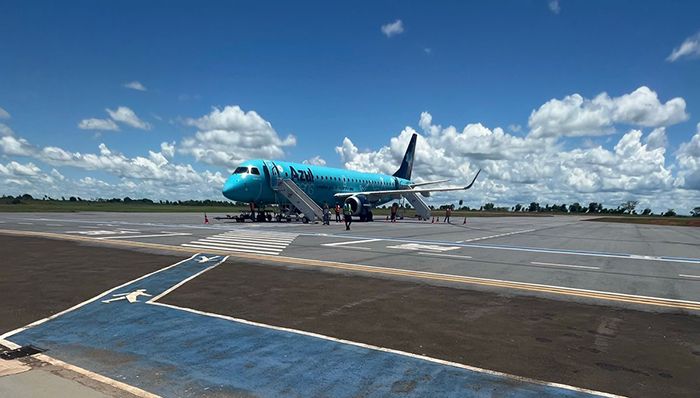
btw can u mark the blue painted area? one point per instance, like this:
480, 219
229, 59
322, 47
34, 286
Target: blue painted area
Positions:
172, 352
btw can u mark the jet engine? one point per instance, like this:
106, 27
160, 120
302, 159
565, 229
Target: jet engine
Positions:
357, 203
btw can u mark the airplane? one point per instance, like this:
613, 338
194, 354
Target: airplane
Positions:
261, 182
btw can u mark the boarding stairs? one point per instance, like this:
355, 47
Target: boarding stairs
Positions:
422, 209
299, 199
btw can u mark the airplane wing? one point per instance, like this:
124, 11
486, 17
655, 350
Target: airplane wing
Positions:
418, 184
409, 190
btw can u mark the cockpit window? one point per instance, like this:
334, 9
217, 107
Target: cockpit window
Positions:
241, 170
254, 170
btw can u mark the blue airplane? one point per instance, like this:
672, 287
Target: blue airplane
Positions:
264, 182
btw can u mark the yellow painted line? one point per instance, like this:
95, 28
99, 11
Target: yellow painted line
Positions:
534, 287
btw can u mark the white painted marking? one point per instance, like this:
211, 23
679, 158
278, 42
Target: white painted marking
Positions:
225, 248
250, 241
496, 236
350, 242
390, 350
158, 297
444, 255
146, 236
25, 223
205, 259
103, 232
418, 246
54, 225
132, 297
563, 265
638, 257
689, 276
225, 243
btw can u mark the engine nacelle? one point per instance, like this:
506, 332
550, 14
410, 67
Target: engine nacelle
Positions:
357, 204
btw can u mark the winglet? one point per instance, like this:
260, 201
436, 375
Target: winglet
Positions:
472, 183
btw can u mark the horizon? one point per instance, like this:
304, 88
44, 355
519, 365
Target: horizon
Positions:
557, 101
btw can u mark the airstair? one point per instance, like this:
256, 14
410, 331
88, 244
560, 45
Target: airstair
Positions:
299, 199
422, 209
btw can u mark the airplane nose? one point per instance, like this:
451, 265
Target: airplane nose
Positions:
229, 187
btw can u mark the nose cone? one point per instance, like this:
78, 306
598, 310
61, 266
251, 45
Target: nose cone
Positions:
230, 187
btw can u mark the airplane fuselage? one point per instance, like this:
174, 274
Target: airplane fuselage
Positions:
254, 181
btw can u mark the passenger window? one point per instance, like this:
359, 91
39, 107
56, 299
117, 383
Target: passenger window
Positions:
254, 170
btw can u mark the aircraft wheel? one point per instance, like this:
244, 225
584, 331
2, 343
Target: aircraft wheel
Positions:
363, 218
370, 216
305, 220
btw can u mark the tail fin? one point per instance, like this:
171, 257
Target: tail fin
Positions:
407, 163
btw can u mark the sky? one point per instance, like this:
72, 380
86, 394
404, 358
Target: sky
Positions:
557, 101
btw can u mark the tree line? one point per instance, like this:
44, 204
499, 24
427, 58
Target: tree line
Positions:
27, 198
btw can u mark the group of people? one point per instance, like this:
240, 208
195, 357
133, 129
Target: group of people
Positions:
347, 213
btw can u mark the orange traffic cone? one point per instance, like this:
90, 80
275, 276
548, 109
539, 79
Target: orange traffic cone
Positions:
206, 219
465, 220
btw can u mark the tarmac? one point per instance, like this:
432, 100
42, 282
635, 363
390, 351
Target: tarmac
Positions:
518, 306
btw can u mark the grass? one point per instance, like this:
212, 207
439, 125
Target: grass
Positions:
675, 221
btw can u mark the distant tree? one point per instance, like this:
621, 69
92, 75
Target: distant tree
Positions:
534, 206
593, 207
576, 208
63, 198
16, 201
670, 213
27, 196
646, 212
127, 199
518, 207
489, 206
629, 206
73, 199
695, 212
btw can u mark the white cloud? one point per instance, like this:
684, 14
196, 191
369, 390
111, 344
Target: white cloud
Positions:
125, 115
688, 157
135, 85
98, 124
230, 135
689, 48
5, 130
554, 6
316, 161
13, 146
526, 169
575, 116
4, 114
393, 28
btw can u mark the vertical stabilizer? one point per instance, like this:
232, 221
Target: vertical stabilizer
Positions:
407, 163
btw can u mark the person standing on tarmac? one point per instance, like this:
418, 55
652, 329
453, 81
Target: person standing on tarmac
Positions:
448, 213
337, 213
347, 212
326, 214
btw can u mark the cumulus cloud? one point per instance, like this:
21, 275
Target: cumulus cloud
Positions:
122, 115
554, 6
316, 161
688, 157
4, 114
525, 169
689, 48
575, 116
98, 124
227, 136
393, 28
125, 115
135, 85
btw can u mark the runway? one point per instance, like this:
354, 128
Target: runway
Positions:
557, 252
161, 304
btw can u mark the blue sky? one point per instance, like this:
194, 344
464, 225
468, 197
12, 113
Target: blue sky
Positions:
322, 72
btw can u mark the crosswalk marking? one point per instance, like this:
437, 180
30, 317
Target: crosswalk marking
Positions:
261, 242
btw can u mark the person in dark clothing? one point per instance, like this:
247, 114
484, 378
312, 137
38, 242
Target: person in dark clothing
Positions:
337, 213
347, 212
